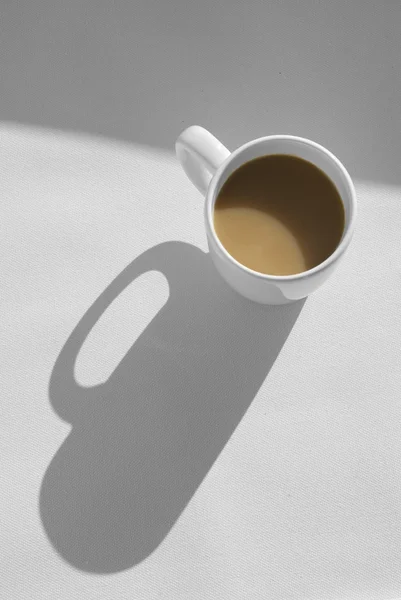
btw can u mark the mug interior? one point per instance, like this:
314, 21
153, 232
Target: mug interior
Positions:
301, 148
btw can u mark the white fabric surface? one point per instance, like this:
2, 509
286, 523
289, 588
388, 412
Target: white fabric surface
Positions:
203, 454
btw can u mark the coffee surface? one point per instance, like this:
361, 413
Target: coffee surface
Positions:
279, 215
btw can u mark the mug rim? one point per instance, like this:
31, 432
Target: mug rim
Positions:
348, 227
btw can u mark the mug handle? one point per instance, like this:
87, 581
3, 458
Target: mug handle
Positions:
200, 155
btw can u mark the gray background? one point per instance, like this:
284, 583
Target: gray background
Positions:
139, 71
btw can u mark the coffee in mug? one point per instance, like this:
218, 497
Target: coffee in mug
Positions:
279, 215
279, 211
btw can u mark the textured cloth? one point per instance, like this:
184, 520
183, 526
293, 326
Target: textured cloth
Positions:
156, 428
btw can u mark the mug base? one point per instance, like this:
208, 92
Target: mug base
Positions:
267, 293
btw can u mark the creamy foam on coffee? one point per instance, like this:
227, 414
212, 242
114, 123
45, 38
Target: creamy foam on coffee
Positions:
279, 215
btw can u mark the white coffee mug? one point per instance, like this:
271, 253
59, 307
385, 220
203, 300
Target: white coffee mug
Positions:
208, 164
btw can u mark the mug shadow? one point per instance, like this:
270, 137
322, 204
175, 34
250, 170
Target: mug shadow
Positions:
142, 442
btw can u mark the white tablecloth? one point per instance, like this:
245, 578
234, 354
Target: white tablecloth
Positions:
160, 436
